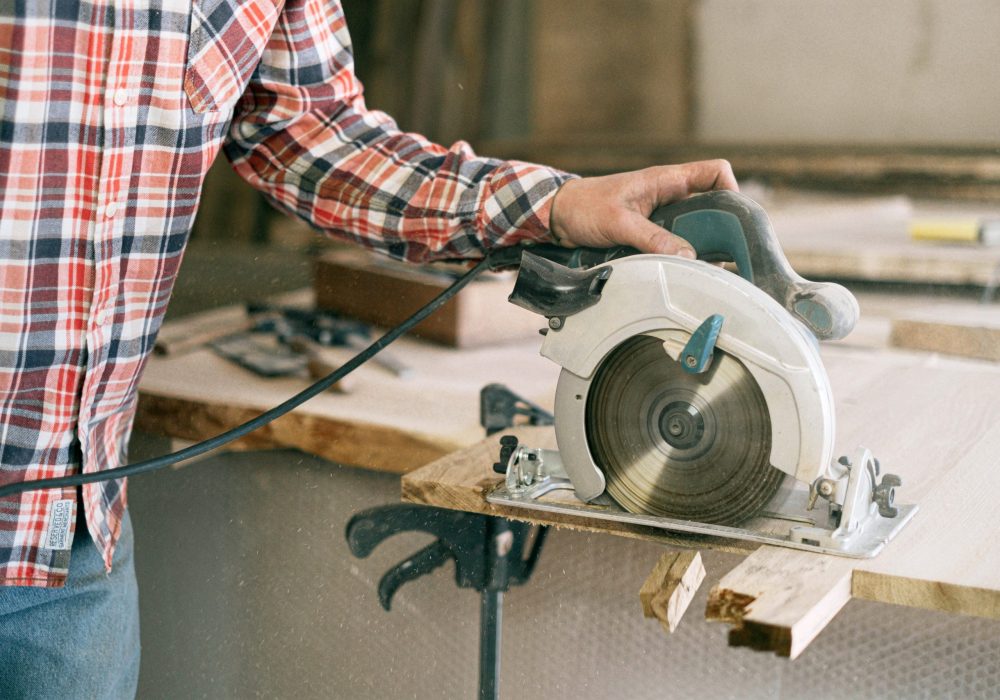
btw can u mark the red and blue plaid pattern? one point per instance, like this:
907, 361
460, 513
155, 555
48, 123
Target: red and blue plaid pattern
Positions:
110, 114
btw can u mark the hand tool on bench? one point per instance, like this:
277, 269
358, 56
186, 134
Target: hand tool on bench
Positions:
325, 328
285, 356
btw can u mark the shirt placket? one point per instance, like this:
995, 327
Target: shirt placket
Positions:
120, 107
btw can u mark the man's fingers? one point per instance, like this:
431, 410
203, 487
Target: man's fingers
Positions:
707, 175
675, 182
639, 232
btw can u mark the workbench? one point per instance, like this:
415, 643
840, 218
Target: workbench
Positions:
932, 419
385, 423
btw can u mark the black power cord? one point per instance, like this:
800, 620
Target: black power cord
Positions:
281, 409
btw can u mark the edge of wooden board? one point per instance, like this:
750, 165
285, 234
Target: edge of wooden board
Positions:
375, 447
929, 595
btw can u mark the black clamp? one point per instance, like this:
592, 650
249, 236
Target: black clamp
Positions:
499, 408
489, 553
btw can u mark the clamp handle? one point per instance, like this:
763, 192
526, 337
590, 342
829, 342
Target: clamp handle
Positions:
730, 227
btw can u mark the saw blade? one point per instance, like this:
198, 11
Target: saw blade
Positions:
680, 445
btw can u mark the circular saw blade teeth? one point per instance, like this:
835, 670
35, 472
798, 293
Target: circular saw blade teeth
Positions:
680, 445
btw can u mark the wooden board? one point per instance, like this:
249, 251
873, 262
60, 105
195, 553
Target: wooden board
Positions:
966, 174
932, 420
880, 311
384, 292
826, 236
779, 600
966, 332
386, 422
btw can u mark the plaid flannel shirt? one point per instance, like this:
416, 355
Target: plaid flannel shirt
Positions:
111, 112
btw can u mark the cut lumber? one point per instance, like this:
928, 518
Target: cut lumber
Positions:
383, 292
973, 333
178, 336
779, 599
461, 480
868, 239
670, 587
185, 336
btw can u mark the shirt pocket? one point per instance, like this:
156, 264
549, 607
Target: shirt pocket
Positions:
226, 41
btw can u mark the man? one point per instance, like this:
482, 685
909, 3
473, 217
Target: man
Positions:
112, 113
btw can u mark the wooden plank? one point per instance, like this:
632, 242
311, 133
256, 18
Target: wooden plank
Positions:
779, 599
670, 587
384, 292
195, 330
881, 310
934, 421
970, 332
461, 480
387, 422
369, 445
964, 174
868, 239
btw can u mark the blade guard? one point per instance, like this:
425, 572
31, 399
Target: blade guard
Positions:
670, 297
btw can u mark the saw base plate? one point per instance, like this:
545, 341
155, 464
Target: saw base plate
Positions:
784, 512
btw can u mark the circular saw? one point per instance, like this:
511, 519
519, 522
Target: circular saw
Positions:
694, 398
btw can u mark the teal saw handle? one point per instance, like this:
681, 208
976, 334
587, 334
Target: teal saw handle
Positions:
724, 226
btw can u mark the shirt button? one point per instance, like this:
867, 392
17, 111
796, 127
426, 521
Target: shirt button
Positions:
121, 97
102, 317
111, 209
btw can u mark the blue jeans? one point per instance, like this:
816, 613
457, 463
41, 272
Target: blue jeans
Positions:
80, 641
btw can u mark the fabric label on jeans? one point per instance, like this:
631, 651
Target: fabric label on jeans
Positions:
60, 519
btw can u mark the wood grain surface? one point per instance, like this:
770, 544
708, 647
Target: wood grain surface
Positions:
934, 421
780, 599
965, 332
384, 292
386, 422
670, 587
867, 238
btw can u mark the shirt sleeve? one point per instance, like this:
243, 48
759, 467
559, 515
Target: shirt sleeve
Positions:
302, 134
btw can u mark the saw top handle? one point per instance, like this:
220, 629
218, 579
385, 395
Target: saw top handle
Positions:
730, 227
724, 226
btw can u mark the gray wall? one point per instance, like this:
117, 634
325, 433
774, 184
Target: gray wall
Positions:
860, 71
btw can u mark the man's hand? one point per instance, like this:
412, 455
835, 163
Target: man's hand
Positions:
614, 210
